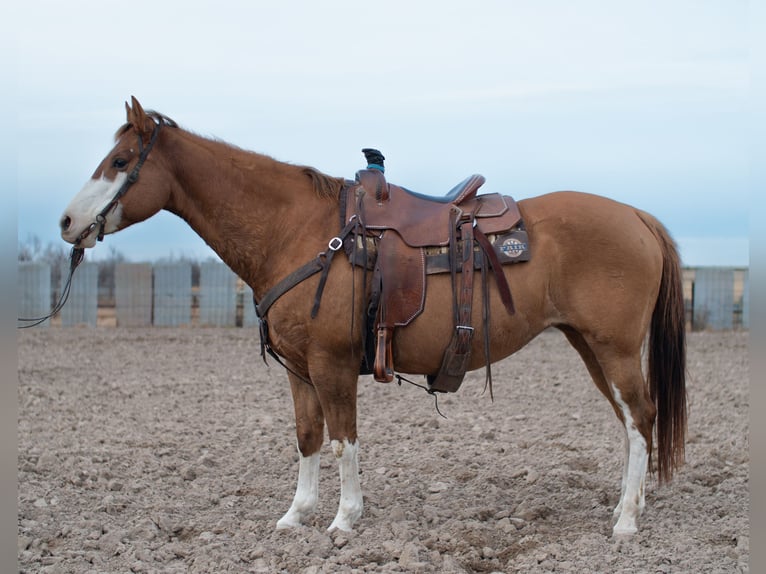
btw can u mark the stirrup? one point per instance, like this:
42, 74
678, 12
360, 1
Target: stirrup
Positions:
383, 370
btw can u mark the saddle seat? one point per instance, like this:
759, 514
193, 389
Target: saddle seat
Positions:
423, 221
466, 189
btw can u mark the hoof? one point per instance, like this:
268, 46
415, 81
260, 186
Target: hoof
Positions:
624, 531
288, 522
342, 525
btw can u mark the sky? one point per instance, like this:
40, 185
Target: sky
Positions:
647, 103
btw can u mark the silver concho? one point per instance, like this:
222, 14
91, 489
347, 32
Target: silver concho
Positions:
512, 247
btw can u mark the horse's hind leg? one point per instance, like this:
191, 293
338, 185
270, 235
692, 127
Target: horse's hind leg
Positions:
638, 417
309, 427
619, 377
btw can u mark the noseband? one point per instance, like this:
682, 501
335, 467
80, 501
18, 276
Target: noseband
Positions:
100, 222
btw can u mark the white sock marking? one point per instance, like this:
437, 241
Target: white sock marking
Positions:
306, 493
351, 503
632, 500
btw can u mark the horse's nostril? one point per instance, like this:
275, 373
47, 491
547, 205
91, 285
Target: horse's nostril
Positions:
66, 221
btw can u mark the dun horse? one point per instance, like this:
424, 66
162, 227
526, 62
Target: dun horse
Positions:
604, 273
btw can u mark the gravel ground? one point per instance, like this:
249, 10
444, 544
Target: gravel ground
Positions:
173, 450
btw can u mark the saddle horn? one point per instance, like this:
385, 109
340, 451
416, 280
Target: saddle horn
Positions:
374, 159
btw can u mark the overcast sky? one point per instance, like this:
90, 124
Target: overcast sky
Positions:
646, 103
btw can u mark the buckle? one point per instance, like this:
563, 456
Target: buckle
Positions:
335, 244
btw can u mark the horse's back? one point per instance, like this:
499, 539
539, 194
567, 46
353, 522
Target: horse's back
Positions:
599, 257
589, 232
595, 267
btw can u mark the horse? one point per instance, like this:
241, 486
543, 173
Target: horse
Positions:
604, 273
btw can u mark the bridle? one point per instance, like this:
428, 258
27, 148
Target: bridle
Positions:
78, 253
100, 222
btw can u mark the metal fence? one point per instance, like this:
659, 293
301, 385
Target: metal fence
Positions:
34, 291
172, 294
717, 298
133, 296
82, 305
217, 299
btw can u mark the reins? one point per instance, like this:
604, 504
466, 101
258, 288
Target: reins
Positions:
78, 253
75, 258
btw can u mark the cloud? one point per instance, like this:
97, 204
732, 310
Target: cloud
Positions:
645, 102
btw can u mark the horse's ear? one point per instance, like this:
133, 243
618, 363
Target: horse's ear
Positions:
136, 115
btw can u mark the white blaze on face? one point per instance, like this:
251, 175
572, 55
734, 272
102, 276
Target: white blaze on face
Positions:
87, 204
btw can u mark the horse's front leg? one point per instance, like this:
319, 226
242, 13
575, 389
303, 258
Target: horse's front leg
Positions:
337, 392
351, 503
309, 427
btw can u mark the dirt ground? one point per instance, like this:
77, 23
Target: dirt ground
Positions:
173, 450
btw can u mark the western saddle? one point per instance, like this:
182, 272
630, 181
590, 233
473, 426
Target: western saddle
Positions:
406, 236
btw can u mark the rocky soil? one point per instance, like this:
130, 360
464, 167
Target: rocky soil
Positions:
173, 451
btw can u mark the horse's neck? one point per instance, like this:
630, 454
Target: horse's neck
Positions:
253, 211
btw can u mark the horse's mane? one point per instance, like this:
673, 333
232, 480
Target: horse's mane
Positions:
325, 186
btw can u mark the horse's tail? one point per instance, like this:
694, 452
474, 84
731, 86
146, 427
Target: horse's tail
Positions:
667, 356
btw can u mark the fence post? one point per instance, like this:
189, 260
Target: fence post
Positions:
746, 299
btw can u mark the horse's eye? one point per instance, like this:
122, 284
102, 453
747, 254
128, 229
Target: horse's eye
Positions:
119, 163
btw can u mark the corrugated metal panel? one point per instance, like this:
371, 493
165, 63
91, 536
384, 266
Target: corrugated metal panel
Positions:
81, 307
34, 291
133, 294
746, 300
249, 318
217, 295
713, 298
172, 294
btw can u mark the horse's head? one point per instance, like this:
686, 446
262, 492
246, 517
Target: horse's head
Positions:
128, 186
